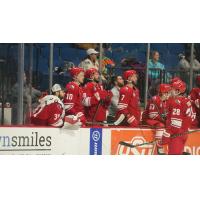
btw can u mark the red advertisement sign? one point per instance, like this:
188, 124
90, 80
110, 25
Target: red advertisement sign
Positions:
139, 136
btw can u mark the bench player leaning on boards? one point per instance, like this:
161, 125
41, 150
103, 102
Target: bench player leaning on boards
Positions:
96, 99
179, 118
50, 111
129, 112
74, 95
155, 113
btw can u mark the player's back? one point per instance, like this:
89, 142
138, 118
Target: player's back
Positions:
50, 110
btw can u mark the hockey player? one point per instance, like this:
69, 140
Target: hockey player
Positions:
155, 113
96, 99
50, 112
179, 119
195, 98
129, 112
74, 95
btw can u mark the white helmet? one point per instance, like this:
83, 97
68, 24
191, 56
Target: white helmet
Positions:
56, 88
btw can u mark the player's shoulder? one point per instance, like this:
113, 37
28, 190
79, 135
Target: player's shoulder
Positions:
89, 85
72, 85
186, 101
50, 99
170, 100
57, 105
156, 98
125, 89
182, 100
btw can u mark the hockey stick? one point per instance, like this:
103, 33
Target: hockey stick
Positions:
100, 123
183, 134
151, 142
95, 114
136, 145
112, 124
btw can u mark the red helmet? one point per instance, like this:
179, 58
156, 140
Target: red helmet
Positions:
198, 79
90, 71
179, 85
75, 71
164, 88
129, 73
176, 78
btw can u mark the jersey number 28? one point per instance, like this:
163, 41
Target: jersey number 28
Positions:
176, 111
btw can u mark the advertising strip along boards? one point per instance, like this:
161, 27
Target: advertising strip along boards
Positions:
85, 141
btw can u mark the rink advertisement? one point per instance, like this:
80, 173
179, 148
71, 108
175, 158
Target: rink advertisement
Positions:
25, 142
192, 145
139, 136
95, 141
133, 136
43, 141
84, 141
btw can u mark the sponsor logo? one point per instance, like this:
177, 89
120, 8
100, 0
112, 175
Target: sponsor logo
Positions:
142, 150
29, 142
95, 141
96, 136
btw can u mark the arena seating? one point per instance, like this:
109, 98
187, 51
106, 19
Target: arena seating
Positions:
66, 52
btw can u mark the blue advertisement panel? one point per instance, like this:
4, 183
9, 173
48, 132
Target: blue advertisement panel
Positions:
96, 141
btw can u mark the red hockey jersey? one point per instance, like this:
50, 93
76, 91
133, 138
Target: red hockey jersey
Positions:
156, 110
129, 104
50, 112
96, 102
180, 115
73, 101
195, 94
195, 99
